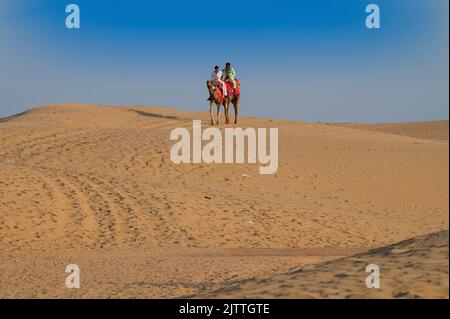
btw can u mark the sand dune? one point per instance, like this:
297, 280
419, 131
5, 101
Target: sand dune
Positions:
414, 268
94, 185
431, 130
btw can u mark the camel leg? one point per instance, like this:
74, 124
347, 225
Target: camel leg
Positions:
236, 109
226, 106
211, 105
218, 112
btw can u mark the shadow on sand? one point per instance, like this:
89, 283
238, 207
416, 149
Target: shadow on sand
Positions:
148, 114
6, 119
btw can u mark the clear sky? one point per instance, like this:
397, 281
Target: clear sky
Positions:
306, 60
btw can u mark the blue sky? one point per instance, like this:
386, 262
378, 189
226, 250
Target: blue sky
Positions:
303, 60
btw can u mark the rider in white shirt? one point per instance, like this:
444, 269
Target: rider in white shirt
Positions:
216, 77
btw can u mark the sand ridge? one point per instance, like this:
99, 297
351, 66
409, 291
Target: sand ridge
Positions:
414, 268
95, 183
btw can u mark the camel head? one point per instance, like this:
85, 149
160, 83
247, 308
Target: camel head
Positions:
211, 89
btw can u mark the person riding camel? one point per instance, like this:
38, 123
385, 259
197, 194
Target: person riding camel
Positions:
216, 78
230, 73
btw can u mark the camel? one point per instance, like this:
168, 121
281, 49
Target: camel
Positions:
214, 98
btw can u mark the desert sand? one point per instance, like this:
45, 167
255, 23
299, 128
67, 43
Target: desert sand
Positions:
95, 186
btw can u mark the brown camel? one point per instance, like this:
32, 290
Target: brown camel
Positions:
214, 98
